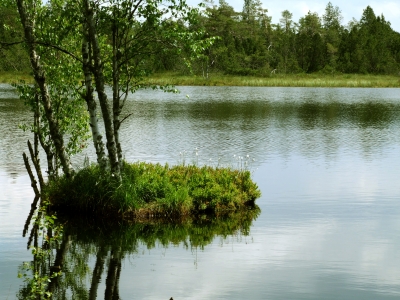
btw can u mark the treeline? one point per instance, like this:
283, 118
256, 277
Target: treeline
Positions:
248, 43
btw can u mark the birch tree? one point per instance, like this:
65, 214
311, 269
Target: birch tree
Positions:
27, 12
99, 44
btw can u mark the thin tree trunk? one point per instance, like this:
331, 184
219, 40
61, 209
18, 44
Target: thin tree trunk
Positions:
90, 101
116, 93
31, 176
100, 87
36, 163
40, 78
39, 137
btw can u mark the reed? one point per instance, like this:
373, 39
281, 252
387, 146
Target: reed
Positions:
149, 190
279, 80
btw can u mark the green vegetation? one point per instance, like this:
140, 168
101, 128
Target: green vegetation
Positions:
282, 80
250, 44
13, 58
277, 80
152, 190
245, 43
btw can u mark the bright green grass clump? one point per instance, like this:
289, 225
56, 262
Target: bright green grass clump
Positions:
153, 189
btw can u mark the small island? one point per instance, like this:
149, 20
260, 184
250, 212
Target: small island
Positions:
153, 191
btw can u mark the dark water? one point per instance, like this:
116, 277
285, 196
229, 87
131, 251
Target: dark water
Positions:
326, 161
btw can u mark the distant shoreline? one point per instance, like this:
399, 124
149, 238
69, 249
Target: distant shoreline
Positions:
279, 80
273, 80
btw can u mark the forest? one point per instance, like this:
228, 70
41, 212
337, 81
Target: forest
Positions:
248, 43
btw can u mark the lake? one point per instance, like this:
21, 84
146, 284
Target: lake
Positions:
325, 159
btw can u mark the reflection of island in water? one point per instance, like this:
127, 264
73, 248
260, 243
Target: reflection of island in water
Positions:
111, 243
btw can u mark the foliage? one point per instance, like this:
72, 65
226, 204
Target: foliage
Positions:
152, 189
13, 57
217, 39
249, 44
37, 274
79, 47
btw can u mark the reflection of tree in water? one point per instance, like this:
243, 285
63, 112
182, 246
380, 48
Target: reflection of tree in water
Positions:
110, 243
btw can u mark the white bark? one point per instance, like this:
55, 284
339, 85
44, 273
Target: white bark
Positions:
40, 78
91, 103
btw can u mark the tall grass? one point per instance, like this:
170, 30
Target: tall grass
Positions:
280, 80
154, 190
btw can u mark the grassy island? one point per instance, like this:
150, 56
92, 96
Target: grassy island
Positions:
153, 190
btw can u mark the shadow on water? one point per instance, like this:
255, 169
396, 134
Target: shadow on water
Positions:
309, 113
90, 248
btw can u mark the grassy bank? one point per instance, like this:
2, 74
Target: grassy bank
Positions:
149, 190
279, 80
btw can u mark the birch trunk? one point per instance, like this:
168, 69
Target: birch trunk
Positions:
91, 103
40, 78
116, 94
100, 87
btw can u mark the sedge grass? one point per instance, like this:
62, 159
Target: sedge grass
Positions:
154, 190
279, 80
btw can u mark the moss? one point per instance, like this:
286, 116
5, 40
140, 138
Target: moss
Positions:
154, 190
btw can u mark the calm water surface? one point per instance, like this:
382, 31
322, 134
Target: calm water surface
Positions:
326, 161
